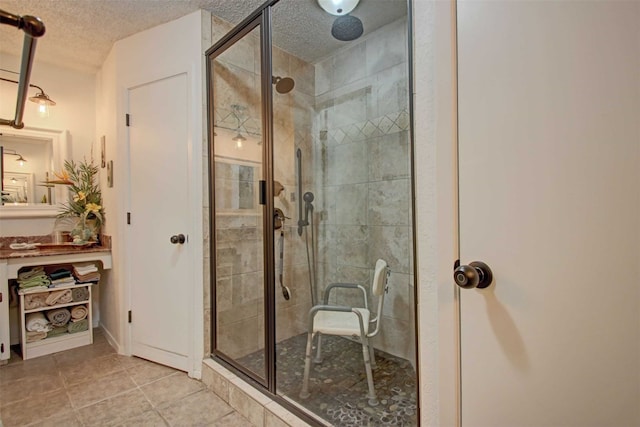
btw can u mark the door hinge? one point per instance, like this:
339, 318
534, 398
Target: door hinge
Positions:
127, 119
2, 348
0, 296
129, 315
129, 218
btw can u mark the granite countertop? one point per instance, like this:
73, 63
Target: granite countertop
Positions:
48, 249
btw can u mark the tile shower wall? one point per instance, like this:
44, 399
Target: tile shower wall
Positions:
362, 181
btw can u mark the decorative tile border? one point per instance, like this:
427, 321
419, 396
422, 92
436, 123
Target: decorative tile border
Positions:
371, 128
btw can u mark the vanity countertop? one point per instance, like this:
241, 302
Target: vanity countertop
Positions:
7, 253
47, 248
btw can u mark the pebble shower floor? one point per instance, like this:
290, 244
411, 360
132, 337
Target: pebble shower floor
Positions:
338, 386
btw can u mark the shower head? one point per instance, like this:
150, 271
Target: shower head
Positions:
347, 28
283, 84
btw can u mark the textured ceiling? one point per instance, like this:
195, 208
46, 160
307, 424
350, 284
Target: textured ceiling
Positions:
80, 33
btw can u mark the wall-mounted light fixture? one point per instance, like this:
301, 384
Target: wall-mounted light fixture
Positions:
41, 98
21, 160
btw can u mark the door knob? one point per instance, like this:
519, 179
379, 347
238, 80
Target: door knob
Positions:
178, 239
475, 275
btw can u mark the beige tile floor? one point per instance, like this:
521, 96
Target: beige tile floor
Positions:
94, 386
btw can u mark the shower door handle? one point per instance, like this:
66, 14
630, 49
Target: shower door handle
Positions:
475, 275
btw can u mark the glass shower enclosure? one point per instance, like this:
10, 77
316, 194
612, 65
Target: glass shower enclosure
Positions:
310, 185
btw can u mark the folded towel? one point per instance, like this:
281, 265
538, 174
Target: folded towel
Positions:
33, 290
36, 322
79, 312
80, 294
60, 274
36, 335
34, 281
32, 301
59, 316
57, 331
59, 297
84, 268
25, 275
79, 326
62, 282
90, 277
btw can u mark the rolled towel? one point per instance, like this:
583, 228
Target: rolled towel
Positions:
79, 326
79, 312
36, 322
59, 297
59, 316
36, 336
80, 294
32, 301
57, 331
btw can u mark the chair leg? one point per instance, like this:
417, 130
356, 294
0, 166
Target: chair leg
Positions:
373, 400
372, 356
304, 393
318, 358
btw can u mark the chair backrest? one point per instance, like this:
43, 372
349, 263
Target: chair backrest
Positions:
379, 278
378, 287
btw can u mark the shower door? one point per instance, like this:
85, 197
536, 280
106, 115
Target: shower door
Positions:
238, 195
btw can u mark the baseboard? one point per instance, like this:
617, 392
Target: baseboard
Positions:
111, 340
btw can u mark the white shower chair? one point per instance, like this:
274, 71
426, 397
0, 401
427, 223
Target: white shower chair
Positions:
354, 322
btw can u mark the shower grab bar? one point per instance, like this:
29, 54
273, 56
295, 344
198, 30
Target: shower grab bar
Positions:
301, 221
33, 28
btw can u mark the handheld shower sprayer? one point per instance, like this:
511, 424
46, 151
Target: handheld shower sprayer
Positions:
308, 206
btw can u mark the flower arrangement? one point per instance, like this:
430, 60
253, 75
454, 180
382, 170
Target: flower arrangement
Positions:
85, 197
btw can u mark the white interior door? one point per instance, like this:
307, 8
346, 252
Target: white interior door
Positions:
549, 101
161, 281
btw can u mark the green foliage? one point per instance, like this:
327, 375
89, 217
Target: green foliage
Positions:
85, 198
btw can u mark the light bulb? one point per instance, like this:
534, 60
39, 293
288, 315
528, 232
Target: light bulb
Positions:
43, 109
238, 143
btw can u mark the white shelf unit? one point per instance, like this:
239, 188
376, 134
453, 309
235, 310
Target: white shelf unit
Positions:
61, 342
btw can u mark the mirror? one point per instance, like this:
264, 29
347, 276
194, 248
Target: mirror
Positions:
29, 157
238, 189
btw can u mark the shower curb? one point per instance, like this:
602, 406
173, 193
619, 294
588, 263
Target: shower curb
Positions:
255, 406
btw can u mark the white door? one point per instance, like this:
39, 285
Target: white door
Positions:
549, 113
159, 269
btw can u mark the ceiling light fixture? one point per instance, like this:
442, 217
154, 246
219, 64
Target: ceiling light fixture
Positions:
239, 140
237, 112
338, 7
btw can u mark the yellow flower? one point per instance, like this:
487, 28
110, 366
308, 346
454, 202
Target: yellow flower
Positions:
93, 207
62, 175
79, 196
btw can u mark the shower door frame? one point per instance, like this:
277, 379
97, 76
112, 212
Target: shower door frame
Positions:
259, 18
